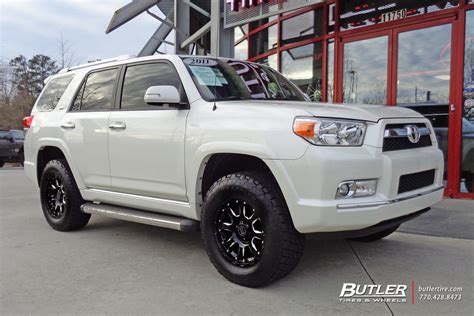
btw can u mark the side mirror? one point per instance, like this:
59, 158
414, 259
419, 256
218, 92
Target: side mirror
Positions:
162, 94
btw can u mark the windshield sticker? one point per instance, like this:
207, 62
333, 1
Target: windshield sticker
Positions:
220, 76
200, 62
206, 76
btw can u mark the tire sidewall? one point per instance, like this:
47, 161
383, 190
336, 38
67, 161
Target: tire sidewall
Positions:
263, 209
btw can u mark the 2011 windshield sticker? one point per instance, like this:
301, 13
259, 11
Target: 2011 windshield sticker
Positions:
207, 77
200, 62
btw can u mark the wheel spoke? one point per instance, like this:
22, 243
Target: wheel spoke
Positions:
253, 242
233, 212
55, 196
255, 226
245, 212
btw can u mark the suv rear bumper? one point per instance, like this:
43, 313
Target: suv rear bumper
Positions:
309, 185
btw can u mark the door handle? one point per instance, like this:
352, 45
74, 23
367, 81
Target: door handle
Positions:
68, 125
117, 125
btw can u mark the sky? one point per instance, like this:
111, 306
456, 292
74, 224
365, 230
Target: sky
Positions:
31, 27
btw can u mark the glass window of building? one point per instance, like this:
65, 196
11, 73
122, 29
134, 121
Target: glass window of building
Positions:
424, 58
331, 18
263, 41
365, 71
241, 50
271, 60
238, 33
330, 72
467, 150
303, 66
301, 27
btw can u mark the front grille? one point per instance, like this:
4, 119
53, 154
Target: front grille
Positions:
417, 180
392, 143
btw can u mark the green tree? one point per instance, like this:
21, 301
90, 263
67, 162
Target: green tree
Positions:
29, 76
21, 82
21, 79
40, 67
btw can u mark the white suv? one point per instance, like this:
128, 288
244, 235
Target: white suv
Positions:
228, 147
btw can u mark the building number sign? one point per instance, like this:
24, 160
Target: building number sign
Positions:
393, 15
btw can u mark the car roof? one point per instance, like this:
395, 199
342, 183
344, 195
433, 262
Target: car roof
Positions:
126, 59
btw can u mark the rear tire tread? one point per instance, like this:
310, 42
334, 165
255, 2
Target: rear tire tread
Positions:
74, 218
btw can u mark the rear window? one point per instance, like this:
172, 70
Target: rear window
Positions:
53, 92
17, 134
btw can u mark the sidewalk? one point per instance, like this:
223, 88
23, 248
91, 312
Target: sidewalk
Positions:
449, 218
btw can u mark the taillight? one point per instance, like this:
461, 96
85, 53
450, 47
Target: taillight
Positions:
27, 121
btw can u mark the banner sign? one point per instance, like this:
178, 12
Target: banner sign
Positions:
238, 12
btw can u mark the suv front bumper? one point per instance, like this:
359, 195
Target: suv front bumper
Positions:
309, 185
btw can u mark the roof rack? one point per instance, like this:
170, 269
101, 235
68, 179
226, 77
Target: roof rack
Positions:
99, 62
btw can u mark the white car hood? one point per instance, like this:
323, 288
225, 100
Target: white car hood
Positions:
364, 112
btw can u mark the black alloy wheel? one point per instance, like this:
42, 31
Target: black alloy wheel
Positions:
55, 196
239, 232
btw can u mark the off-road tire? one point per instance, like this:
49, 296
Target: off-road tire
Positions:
72, 218
376, 236
283, 245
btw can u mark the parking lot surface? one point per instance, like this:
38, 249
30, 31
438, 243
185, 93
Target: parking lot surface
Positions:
116, 267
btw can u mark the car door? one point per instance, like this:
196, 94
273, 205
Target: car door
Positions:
5, 144
85, 127
146, 142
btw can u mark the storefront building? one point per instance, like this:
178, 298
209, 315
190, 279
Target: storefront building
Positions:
415, 54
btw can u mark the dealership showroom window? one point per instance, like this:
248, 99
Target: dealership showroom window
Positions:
414, 54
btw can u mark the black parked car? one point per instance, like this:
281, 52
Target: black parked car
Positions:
11, 146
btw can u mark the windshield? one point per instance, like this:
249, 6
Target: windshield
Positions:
220, 79
17, 134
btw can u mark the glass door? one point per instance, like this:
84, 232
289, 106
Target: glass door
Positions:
423, 76
364, 70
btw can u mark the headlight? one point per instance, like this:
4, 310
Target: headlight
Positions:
330, 132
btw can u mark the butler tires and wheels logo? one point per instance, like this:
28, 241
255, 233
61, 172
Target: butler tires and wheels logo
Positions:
397, 293
373, 293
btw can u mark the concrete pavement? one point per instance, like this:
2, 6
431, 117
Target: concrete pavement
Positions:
115, 267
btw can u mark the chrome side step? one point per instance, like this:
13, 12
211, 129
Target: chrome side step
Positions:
143, 217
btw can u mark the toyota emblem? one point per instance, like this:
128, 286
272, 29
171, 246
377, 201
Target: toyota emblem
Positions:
413, 133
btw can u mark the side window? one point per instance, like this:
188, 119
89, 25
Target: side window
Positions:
53, 92
140, 77
96, 93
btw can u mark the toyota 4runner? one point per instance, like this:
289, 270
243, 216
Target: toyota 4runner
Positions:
230, 148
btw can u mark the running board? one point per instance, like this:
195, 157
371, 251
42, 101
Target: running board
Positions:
143, 217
